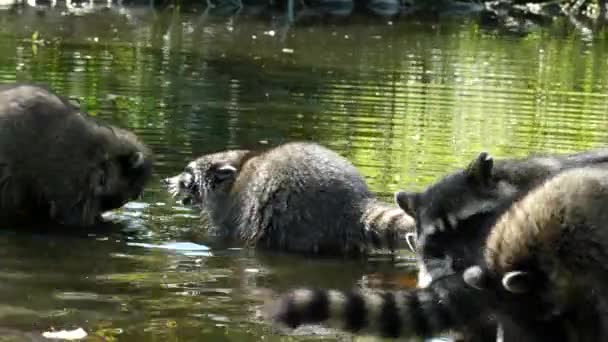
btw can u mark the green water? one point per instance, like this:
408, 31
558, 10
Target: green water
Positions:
405, 101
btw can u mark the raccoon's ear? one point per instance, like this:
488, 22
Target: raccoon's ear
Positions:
223, 171
480, 169
137, 160
407, 201
476, 277
517, 282
132, 161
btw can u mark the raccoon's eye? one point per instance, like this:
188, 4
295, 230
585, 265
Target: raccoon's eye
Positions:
222, 173
431, 246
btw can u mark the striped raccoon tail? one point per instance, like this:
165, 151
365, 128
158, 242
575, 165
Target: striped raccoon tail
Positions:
446, 305
386, 226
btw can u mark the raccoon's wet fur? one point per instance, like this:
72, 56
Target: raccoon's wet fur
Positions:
58, 165
454, 215
297, 197
552, 246
447, 305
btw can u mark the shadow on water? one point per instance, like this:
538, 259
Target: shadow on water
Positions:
405, 102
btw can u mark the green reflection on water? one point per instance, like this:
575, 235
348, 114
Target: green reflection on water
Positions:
405, 102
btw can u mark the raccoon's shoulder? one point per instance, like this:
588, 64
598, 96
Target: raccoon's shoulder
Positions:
304, 151
552, 233
311, 160
23, 98
572, 198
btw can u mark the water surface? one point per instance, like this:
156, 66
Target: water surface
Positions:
406, 101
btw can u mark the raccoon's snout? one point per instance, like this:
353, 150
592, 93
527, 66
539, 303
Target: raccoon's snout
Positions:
183, 186
170, 181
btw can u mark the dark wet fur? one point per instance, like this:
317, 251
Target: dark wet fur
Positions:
552, 246
458, 246
297, 197
60, 166
448, 304
488, 191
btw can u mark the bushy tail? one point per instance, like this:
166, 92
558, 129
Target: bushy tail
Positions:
386, 226
448, 304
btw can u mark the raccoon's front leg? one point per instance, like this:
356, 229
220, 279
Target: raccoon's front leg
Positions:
448, 304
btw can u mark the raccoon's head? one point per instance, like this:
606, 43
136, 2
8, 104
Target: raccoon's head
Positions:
123, 172
207, 179
522, 293
115, 171
453, 215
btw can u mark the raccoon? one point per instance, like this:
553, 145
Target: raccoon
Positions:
447, 305
58, 165
552, 245
295, 197
454, 215
482, 314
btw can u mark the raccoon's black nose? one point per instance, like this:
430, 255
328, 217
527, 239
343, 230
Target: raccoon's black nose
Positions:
165, 181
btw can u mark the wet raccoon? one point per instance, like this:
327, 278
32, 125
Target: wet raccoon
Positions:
552, 246
57, 165
454, 215
445, 302
446, 305
297, 197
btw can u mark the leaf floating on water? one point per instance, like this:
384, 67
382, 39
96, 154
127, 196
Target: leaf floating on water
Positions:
66, 334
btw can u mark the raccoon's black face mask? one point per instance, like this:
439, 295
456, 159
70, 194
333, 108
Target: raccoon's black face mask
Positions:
121, 179
201, 181
185, 186
453, 217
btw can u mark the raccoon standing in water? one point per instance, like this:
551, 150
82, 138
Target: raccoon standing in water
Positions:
57, 165
296, 197
548, 252
552, 246
456, 214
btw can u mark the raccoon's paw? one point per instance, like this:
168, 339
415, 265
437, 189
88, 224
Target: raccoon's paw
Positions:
477, 278
518, 282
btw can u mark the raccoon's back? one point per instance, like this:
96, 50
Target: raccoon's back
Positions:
35, 119
302, 197
563, 220
309, 166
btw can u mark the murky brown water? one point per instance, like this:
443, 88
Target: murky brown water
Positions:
405, 101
